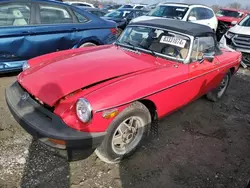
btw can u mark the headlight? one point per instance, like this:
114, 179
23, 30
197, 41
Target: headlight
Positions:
25, 65
229, 35
83, 110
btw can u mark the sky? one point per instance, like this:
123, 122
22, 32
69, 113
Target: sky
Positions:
207, 2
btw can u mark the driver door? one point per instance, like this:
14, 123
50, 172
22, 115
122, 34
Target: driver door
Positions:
203, 73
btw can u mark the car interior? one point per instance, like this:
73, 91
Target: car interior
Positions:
16, 16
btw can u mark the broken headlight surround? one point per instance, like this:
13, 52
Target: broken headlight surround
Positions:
25, 65
230, 35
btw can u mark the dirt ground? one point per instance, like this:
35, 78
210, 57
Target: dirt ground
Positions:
203, 145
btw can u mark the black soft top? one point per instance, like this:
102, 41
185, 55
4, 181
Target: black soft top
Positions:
177, 25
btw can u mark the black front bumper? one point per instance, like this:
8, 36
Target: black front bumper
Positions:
42, 123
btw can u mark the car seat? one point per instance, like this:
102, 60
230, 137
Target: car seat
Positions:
18, 18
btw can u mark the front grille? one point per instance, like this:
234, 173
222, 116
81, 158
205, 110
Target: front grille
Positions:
223, 26
242, 41
35, 99
222, 29
228, 41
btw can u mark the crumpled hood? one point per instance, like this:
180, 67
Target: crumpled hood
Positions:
240, 30
227, 19
51, 80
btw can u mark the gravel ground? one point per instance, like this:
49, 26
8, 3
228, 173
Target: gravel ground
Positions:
202, 145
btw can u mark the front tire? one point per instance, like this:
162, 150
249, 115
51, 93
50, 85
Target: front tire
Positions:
125, 134
220, 91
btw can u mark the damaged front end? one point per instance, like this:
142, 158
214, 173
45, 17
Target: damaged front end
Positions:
237, 42
222, 28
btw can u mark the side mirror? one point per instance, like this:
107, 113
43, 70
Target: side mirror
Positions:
208, 57
191, 18
233, 23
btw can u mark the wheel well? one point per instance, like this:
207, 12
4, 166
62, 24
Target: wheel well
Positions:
232, 70
151, 107
91, 41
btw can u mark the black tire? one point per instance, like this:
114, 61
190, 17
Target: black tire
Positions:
105, 151
215, 94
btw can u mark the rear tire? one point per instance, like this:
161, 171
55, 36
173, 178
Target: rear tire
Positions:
124, 137
87, 44
220, 91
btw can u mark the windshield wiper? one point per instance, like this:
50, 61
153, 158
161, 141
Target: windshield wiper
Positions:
151, 51
130, 44
135, 49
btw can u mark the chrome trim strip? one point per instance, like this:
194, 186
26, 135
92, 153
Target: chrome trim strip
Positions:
189, 79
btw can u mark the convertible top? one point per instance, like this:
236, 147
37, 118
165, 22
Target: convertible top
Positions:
189, 28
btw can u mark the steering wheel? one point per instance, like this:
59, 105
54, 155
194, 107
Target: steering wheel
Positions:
177, 52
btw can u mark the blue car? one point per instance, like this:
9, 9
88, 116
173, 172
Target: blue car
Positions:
30, 28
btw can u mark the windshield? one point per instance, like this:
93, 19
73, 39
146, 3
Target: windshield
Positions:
246, 21
126, 6
176, 12
139, 7
229, 13
156, 41
118, 14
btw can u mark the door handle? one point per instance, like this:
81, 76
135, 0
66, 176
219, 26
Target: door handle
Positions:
217, 63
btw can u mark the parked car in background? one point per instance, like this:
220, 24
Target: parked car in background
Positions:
123, 16
134, 6
227, 18
108, 97
80, 3
96, 11
238, 38
139, 6
30, 28
151, 6
110, 8
195, 13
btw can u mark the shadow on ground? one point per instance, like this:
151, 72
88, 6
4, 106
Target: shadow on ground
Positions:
44, 169
203, 145
11, 74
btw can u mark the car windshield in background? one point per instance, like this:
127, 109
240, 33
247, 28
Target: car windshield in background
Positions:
175, 12
126, 6
229, 13
156, 41
246, 21
118, 14
139, 7
80, 4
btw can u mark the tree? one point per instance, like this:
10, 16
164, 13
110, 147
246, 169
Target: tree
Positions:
235, 5
247, 7
216, 8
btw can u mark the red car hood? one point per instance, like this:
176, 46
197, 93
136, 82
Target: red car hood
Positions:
64, 74
227, 19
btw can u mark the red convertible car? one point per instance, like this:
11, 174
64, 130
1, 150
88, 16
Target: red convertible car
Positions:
106, 98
